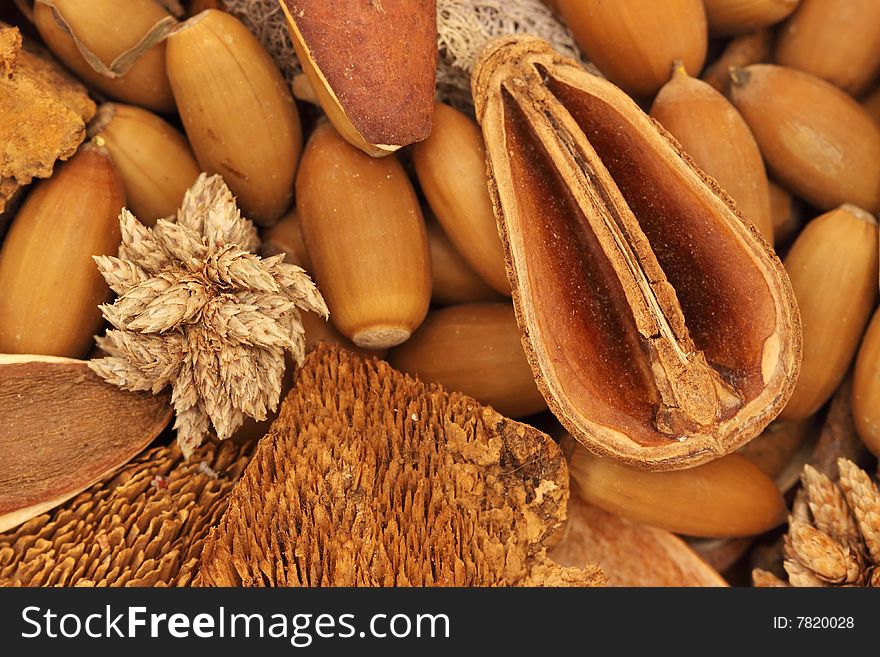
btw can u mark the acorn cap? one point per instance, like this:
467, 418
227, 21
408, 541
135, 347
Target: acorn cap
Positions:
371, 478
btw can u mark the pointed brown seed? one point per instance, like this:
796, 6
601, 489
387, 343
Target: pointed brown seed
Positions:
833, 270
836, 40
452, 279
714, 134
238, 112
101, 31
866, 387
365, 235
661, 329
815, 139
634, 43
451, 168
786, 213
727, 497
737, 16
49, 286
475, 349
155, 161
744, 50
373, 72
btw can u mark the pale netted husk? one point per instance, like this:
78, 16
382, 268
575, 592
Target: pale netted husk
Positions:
371, 478
463, 28
143, 527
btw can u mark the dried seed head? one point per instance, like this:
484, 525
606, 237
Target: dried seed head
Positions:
369, 477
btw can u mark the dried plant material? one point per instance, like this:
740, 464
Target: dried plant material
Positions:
661, 328
198, 311
629, 554
838, 438
833, 537
143, 527
43, 110
369, 477
63, 429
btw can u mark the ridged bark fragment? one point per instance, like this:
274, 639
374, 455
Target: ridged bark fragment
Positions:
371, 478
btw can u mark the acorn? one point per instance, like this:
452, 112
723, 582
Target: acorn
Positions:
453, 280
786, 212
726, 497
50, 288
866, 388
833, 268
476, 349
836, 40
114, 45
451, 168
237, 110
743, 50
286, 237
365, 234
634, 43
815, 139
714, 134
154, 160
737, 16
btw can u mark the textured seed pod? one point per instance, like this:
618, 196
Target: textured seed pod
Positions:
815, 139
741, 51
833, 270
154, 160
365, 235
836, 40
238, 112
370, 478
737, 16
475, 349
714, 134
634, 43
451, 168
726, 497
452, 279
786, 212
49, 286
866, 387
102, 33
145, 526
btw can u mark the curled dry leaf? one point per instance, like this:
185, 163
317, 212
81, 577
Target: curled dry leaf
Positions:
64, 429
44, 113
197, 310
143, 527
660, 327
369, 477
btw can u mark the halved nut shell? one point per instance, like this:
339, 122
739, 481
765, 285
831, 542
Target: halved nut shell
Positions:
662, 330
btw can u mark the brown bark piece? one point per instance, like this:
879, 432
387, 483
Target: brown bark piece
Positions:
371, 478
143, 527
629, 554
43, 112
62, 430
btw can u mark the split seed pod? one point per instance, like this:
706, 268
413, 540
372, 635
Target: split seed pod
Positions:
833, 268
154, 160
365, 235
451, 168
238, 112
634, 42
714, 134
475, 349
372, 72
661, 328
114, 45
815, 139
725, 498
866, 388
836, 40
50, 288
737, 16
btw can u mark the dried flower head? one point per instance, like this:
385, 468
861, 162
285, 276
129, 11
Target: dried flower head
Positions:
833, 537
198, 311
